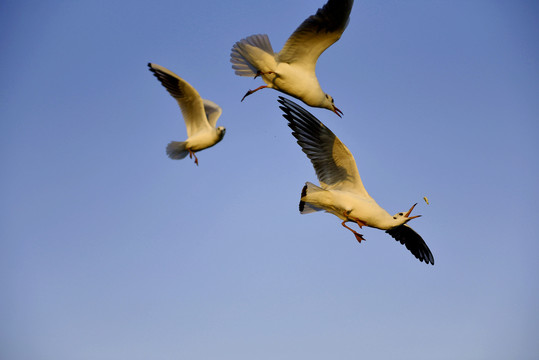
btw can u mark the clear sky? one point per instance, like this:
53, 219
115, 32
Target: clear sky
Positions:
110, 250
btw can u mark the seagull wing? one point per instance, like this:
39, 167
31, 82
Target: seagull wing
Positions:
334, 164
316, 34
190, 102
413, 242
213, 111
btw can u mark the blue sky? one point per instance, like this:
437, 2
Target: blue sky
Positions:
110, 250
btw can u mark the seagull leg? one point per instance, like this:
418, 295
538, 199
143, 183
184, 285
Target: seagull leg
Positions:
358, 236
360, 223
192, 154
253, 91
357, 221
260, 73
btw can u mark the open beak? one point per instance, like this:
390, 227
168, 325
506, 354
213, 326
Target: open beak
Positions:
409, 211
337, 111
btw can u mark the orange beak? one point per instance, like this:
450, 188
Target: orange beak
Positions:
337, 111
409, 211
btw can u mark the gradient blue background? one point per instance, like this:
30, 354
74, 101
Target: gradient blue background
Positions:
110, 250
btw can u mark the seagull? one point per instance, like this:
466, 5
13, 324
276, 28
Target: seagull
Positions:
200, 115
292, 70
341, 191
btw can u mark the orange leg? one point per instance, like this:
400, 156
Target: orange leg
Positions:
191, 155
358, 236
253, 91
357, 221
360, 223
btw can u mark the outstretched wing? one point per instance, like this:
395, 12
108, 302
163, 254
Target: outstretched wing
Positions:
190, 102
413, 242
316, 34
334, 164
213, 111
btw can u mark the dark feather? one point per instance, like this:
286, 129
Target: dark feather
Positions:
413, 242
319, 31
333, 16
301, 202
169, 82
316, 141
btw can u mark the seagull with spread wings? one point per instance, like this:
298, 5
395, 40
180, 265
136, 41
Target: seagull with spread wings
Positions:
341, 191
292, 70
200, 115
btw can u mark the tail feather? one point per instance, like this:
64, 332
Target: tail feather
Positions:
177, 150
305, 207
240, 54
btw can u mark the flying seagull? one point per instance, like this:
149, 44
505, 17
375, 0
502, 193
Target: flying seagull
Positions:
292, 70
200, 115
341, 191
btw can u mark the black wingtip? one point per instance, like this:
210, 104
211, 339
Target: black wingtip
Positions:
281, 101
285, 102
413, 242
289, 107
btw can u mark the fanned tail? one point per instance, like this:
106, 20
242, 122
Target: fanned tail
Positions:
305, 207
245, 51
177, 150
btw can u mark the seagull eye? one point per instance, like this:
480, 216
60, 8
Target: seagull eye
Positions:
394, 217
400, 214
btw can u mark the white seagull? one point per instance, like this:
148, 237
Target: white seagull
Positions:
341, 191
200, 115
292, 70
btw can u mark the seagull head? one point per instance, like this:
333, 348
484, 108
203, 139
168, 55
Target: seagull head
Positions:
329, 104
221, 132
403, 218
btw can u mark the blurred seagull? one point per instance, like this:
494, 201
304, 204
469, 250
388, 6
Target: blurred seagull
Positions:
292, 70
200, 115
341, 191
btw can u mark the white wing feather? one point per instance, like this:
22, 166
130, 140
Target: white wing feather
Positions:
334, 164
213, 111
316, 34
190, 102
